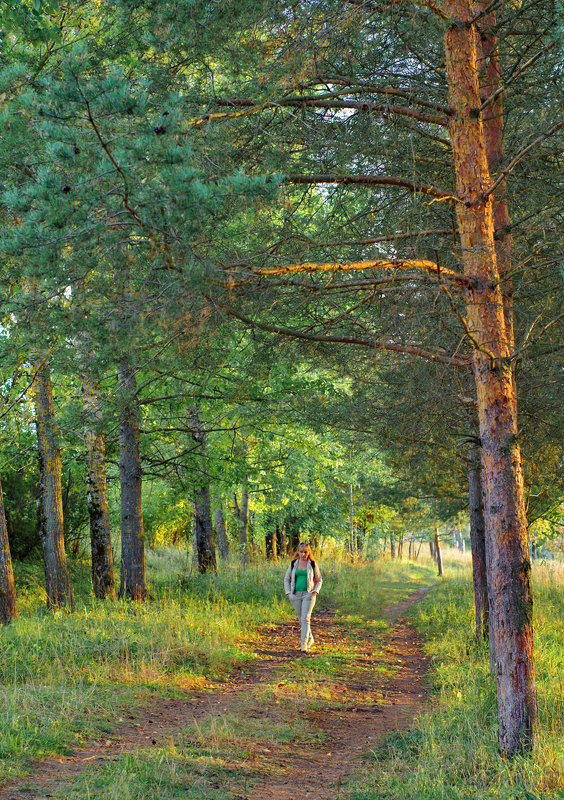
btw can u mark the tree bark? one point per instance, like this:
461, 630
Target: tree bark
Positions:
132, 583
438, 554
478, 542
242, 512
103, 584
222, 542
59, 590
509, 578
271, 544
8, 610
203, 526
392, 545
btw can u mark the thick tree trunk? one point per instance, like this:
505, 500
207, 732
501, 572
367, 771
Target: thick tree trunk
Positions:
438, 554
7, 587
203, 526
478, 542
488, 63
509, 578
59, 590
103, 584
132, 583
221, 534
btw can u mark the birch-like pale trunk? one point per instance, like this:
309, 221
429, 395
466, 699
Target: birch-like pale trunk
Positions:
221, 534
509, 568
132, 583
8, 610
103, 584
58, 585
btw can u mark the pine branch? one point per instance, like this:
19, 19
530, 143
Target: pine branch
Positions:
407, 349
372, 180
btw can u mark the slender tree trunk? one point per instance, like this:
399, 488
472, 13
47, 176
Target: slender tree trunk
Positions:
7, 587
509, 578
280, 540
392, 545
222, 543
103, 584
432, 550
242, 513
478, 542
203, 526
438, 553
59, 590
400, 546
130, 477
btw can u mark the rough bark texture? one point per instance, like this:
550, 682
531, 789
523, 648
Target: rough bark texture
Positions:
438, 554
7, 588
103, 584
130, 477
478, 542
59, 590
488, 64
203, 527
509, 584
221, 534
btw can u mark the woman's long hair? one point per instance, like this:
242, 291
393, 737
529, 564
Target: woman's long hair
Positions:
309, 556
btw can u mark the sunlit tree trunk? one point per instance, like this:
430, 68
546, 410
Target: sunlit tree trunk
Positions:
130, 477
221, 534
509, 569
59, 590
7, 587
478, 543
103, 584
203, 526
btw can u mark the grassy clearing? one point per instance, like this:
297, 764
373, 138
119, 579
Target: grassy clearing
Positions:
451, 753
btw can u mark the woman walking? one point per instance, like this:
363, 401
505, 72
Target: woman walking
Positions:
302, 582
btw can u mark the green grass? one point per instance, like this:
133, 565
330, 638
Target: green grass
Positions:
451, 753
66, 677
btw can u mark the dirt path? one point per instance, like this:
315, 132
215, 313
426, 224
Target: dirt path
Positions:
360, 708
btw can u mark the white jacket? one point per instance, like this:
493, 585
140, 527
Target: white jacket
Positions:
314, 579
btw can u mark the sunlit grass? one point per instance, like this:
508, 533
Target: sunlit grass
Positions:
452, 751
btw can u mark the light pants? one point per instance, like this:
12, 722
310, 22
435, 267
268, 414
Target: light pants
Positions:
303, 603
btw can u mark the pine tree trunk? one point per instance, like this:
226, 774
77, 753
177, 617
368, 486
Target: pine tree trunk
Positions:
103, 584
203, 526
222, 543
509, 578
478, 542
59, 590
130, 478
438, 554
7, 587
488, 63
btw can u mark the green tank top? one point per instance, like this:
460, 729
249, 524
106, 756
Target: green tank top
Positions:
301, 580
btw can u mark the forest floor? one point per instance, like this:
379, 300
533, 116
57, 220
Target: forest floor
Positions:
283, 726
